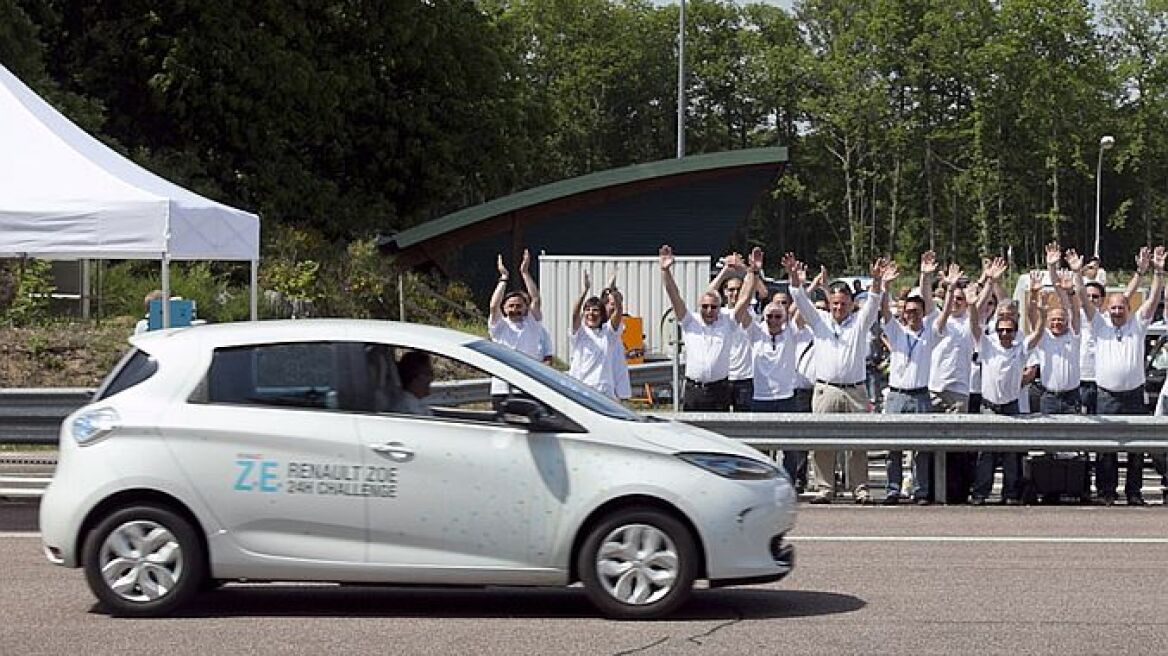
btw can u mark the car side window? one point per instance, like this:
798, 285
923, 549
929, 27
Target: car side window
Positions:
435, 385
310, 375
134, 368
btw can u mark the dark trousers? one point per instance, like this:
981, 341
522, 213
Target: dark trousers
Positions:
802, 403
988, 462
711, 397
791, 461
742, 395
1088, 399
1127, 402
1059, 403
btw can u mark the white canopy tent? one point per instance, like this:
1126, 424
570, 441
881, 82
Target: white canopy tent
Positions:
66, 196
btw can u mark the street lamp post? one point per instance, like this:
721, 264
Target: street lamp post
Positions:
681, 82
1105, 142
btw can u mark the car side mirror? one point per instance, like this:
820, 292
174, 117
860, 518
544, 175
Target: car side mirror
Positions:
519, 411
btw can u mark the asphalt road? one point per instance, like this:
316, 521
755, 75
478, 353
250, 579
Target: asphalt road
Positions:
873, 580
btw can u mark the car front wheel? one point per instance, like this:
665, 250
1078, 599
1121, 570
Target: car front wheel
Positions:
638, 564
143, 561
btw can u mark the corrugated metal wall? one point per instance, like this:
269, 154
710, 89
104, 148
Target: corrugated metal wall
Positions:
638, 277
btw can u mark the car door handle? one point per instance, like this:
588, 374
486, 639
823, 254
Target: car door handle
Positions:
395, 451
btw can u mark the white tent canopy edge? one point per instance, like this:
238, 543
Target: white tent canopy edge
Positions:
65, 195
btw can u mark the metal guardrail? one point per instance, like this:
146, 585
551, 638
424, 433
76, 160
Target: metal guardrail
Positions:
33, 416
935, 432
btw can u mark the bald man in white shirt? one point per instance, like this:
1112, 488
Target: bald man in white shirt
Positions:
709, 334
841, 349
1119, 371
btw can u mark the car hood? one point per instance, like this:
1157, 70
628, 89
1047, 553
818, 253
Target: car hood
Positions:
677, 436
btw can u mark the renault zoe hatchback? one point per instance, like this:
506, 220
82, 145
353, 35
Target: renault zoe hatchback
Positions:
373, 452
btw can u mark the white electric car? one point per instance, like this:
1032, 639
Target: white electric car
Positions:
270, 451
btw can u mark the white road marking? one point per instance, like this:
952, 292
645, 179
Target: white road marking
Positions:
20, 534
1041, 539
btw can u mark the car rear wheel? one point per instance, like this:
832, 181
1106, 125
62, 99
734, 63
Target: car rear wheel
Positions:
143, 561
638, 564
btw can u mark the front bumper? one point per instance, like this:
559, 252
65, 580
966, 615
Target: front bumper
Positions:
784, 558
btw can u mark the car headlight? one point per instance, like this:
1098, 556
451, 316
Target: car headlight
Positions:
734, 467
94, 424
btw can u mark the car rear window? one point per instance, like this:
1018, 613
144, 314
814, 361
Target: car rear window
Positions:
308, 375
135, 367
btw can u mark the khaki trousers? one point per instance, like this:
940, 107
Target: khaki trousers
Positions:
827, 399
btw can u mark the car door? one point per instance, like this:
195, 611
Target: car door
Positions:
468, 493
268, 448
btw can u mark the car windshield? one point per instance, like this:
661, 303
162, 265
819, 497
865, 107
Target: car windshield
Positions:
562, 383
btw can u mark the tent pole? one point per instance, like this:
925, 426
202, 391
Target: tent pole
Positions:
401, 297
85, 284
165, 290
255, 299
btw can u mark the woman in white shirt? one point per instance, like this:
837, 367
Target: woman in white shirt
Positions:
595, 336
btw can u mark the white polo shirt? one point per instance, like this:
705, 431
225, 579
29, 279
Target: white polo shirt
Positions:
952, 363
620, 368
1001, 380
1086, 347
707, 347
741, 360
1119, 352
840, 348
1058, 361
911, 353
975, 368
591, 358
774, 361
525, 336
804, 358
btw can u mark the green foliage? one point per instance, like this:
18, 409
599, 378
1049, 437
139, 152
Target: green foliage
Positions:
25, 290
965, 126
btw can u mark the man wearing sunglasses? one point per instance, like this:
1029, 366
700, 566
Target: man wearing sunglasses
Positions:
1003, 359
1119, 370
708, 335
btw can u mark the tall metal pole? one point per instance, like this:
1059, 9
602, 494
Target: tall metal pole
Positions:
676, 368
681, 83
1104, 143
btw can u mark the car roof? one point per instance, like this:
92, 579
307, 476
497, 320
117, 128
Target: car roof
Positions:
241, 333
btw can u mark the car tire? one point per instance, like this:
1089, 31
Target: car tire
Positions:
638, 564
143, 561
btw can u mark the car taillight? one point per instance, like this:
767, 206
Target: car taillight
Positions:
92, 425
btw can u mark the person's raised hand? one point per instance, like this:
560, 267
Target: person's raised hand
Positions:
954, 274
665, 257
502, 269
1053, 253
1143, 259
1035, 281
820, 279
1158, 256
796, 271
1074, 260
756, 258
889, 272
928, 262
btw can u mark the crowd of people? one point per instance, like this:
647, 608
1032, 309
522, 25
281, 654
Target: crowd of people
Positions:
949, 343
